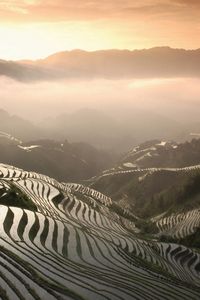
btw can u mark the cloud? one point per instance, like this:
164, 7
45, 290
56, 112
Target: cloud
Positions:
178, 98
92, 24
64, 10
188, 3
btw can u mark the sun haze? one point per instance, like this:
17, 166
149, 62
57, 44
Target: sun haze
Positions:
45, 27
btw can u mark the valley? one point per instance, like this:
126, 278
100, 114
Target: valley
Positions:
131, 232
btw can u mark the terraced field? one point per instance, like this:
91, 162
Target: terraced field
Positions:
156, 156
176, 225
76, 246
179, 225
147, 171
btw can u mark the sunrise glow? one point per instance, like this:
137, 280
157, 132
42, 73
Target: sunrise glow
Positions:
45, 27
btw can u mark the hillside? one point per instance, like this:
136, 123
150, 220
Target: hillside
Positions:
61, 160
117, 131
15, 125
141, 190
75, 246
155, 155
112, 131
163, 154
158, 182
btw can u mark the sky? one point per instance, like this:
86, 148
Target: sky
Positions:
32, 29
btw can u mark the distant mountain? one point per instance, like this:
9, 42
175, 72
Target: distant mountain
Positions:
111, 64
116, 132
64, 161
25, 72
19, 127
91, 126
103, 130
147, 63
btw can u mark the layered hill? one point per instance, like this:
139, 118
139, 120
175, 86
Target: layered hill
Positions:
116, 130
61, 160
156, 62
156, 155
109, 131
158, 181
15, 125
68, 241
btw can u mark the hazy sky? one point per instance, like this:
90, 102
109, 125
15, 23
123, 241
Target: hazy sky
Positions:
34, 28
31, 29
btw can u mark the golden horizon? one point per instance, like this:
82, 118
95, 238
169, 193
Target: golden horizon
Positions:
33, 29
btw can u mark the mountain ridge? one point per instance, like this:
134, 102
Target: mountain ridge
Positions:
157, 62
114, 50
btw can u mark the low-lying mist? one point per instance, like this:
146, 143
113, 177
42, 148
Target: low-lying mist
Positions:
106, 113
176, 98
